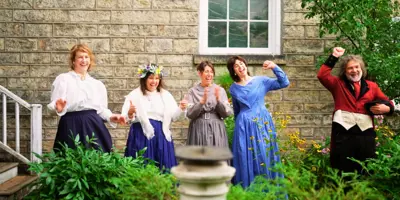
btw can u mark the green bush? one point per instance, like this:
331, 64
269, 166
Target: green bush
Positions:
367, 28
384, 170
301, 183
83, 173
308, 175
224, 81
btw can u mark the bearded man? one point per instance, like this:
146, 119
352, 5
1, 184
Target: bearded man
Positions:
356, 101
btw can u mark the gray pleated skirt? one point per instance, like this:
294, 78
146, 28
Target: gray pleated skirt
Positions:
207, 130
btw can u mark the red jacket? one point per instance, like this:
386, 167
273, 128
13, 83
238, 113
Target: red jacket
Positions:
343, 93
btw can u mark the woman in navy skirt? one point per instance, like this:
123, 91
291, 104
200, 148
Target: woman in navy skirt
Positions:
150, 109
81, 102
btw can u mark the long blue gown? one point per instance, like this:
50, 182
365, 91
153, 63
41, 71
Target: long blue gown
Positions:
254, 145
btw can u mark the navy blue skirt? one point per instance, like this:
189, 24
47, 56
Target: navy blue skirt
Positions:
83, 123
158, 148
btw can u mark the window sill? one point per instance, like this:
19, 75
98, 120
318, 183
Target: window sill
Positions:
251, 59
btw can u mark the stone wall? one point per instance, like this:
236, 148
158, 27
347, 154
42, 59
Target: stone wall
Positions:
35, 36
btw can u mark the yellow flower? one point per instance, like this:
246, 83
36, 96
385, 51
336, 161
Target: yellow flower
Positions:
262, 164
250, 149
316, 146
251, 137
255, 119
265, 123
313, 168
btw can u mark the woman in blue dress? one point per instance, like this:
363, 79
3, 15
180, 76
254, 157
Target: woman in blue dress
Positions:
255, 149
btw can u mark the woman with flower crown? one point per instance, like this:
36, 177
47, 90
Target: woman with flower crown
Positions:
207, 107
150, 109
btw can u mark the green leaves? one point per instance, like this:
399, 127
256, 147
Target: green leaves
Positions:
367, 28
83, 173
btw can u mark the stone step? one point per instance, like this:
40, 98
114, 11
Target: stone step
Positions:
16, 188
8, 171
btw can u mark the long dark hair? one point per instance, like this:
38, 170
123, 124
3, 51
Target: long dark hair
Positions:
231, 64
144, 80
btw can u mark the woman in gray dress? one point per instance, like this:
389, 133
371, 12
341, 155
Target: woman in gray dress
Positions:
207, 107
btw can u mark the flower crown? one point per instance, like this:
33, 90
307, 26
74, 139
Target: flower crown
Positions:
152, 68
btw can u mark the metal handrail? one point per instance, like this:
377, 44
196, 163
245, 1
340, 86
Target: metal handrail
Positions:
36, 127
15, 97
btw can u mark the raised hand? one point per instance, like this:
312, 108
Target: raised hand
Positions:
268, 65
117, 118
60, 104
184, 102
132, 110
205, 96
216, 91
338, 51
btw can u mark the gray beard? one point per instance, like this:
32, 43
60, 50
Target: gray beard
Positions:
354, 79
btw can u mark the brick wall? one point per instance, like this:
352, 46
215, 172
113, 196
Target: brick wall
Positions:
35, 36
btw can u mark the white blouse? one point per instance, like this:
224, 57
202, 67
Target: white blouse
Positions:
153, 106
87, 94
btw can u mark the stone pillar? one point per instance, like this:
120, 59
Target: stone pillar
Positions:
203, 172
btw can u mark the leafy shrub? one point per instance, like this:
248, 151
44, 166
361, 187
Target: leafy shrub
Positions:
230, 125
307, 170
83, 173
225, 81
367, 28
384, 170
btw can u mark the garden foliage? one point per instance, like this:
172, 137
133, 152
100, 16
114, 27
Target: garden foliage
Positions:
308, 175
370, 28
83, 173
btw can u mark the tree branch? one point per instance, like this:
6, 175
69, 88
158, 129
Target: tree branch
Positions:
340, 28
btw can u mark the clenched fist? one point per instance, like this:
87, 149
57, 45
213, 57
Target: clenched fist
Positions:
268, 65
338, 51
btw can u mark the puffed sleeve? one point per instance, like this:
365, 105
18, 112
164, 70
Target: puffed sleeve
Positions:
173, 106
223, 108
104, 112
126, 106
194, 107
58, 91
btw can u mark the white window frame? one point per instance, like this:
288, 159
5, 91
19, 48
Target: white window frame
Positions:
274, 33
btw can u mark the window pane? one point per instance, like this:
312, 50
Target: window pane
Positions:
259, 9
238, 34
216, 34
238, 9
259, 34
217, 9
